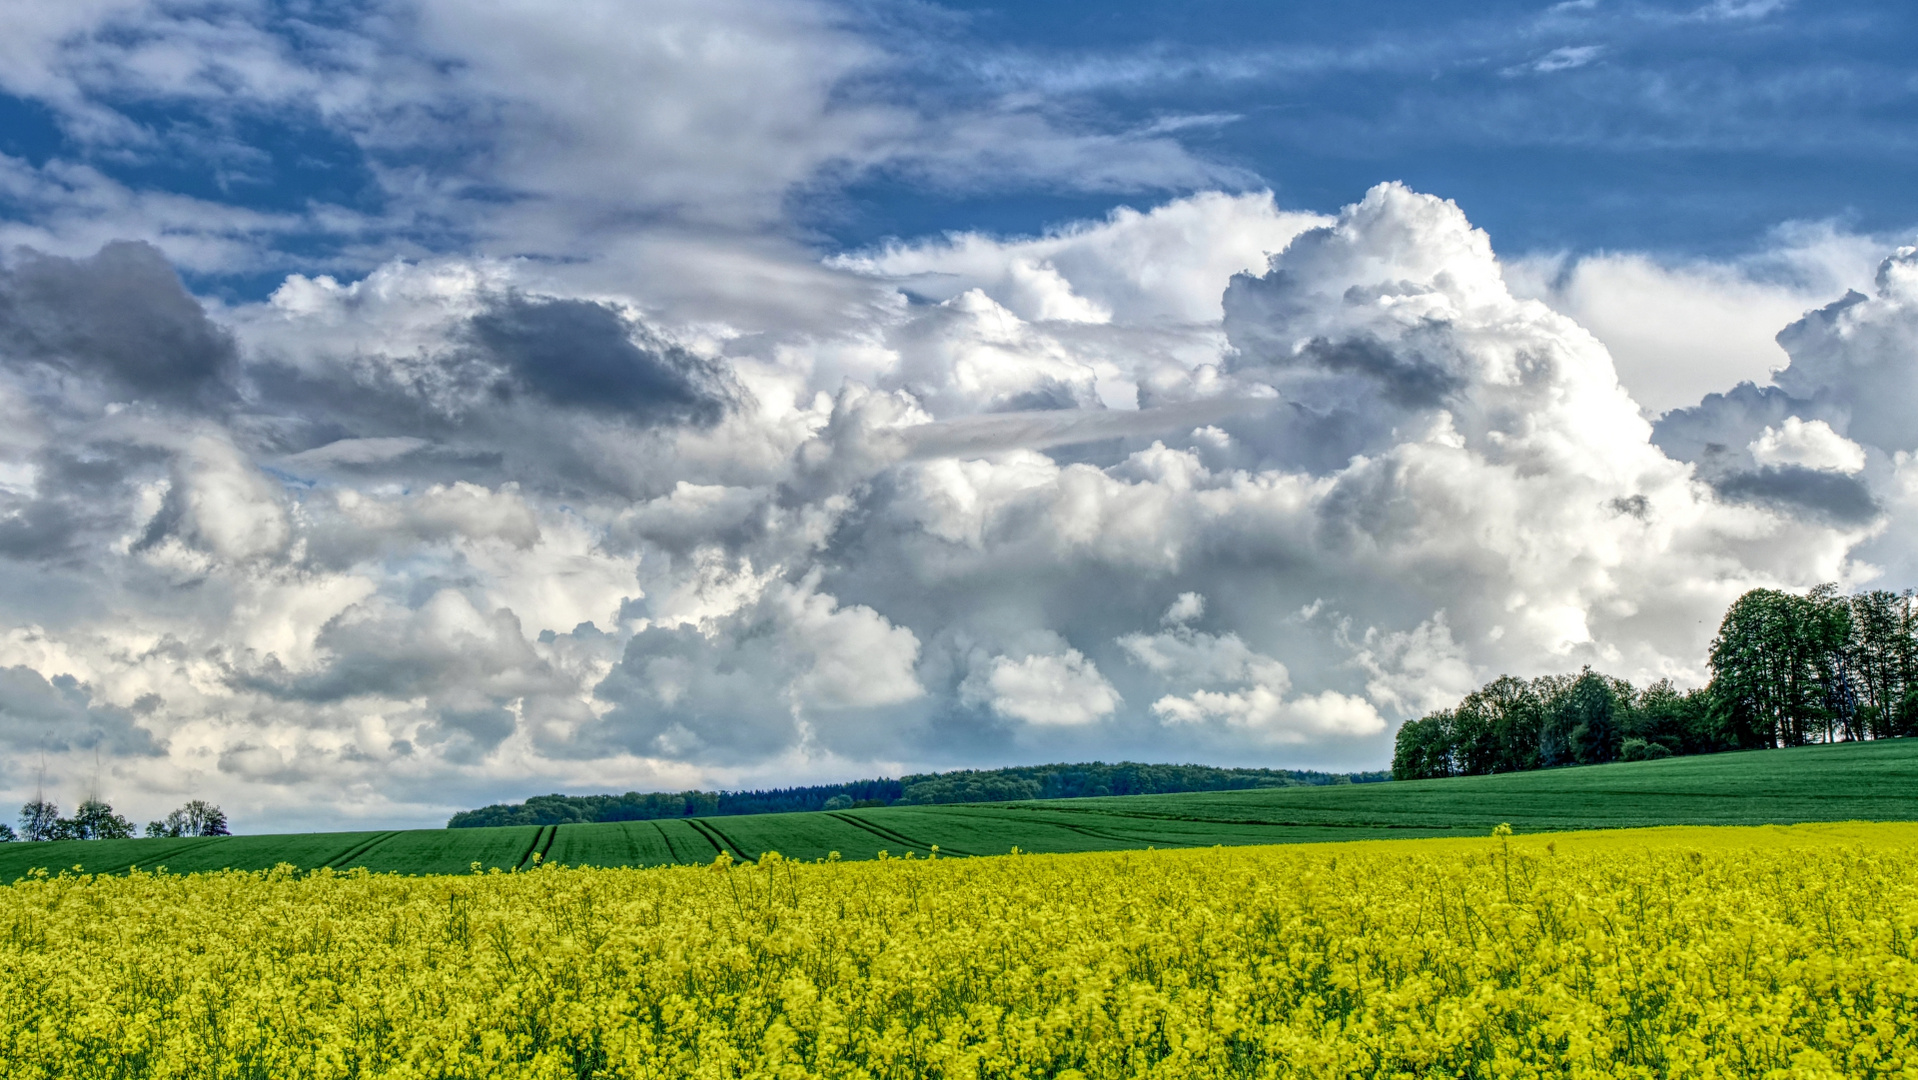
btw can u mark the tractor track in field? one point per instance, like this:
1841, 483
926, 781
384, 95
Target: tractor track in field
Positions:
739, 848
122, 868
1159, 841
541, 844
718, 840
1133, 815
672, 849
893, 835
359, 850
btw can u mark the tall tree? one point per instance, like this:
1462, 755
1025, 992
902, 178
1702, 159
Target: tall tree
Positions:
1513, 712
1424, 750
1828, 632
95, 820
40, 820
1682, 723
1582, 723
1778, 667
1883, 661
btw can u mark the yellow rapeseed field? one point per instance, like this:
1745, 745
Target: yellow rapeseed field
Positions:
1667, 952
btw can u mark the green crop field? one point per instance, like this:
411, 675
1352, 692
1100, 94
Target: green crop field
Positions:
1875, 781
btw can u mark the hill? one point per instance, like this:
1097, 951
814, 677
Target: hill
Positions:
1871, 781
1017, 783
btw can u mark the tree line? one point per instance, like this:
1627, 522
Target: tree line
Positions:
1786, 670
95, 820
966, 785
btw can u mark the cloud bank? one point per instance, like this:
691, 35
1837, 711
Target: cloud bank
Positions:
444, 533
552, 451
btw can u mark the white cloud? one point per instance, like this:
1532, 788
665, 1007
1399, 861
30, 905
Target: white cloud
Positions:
1418, 670
852, 656
1679, 332
1263, 711
1188, 607
1231, 684
1167, 264
1811, 443
1048, 690
384, 567
1742, 9
1564, 58
223, 504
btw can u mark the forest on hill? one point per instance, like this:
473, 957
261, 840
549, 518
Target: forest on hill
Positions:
966, 785
1787, 670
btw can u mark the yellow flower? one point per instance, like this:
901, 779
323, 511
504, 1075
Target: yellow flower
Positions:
1662, 952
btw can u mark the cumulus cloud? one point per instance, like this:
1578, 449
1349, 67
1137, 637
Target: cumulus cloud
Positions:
1135, 267
120, 317
1808, 439
58, 714
1207, 481
1062, 689
1808, 443
1230, 684
765, 666
1680, 330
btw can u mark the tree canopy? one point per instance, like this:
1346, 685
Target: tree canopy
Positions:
95, 820
1786, 670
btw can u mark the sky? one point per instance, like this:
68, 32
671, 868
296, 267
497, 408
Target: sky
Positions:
407, 405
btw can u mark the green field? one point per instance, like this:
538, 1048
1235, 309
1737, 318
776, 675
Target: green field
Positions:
1875, 781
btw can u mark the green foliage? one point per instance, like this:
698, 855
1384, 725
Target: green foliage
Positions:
1510, 725
40, 820
966, 785
1776, 663
197, 818
1883, 665
95, 820
1670, 722
1875, 781
1787, 670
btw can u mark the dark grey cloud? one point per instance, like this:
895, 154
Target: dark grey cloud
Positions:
80, 493
1724, 423
1844, 499
586, 355
121, 316
466, 735
678, 693
442, 648
1049, 395
59, 714
1405, 378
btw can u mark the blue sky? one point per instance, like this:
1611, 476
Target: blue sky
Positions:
407, 405
1684, 128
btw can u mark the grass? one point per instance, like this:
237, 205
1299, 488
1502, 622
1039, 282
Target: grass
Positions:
1875, 781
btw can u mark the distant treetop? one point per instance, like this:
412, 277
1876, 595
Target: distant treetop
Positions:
965, 785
